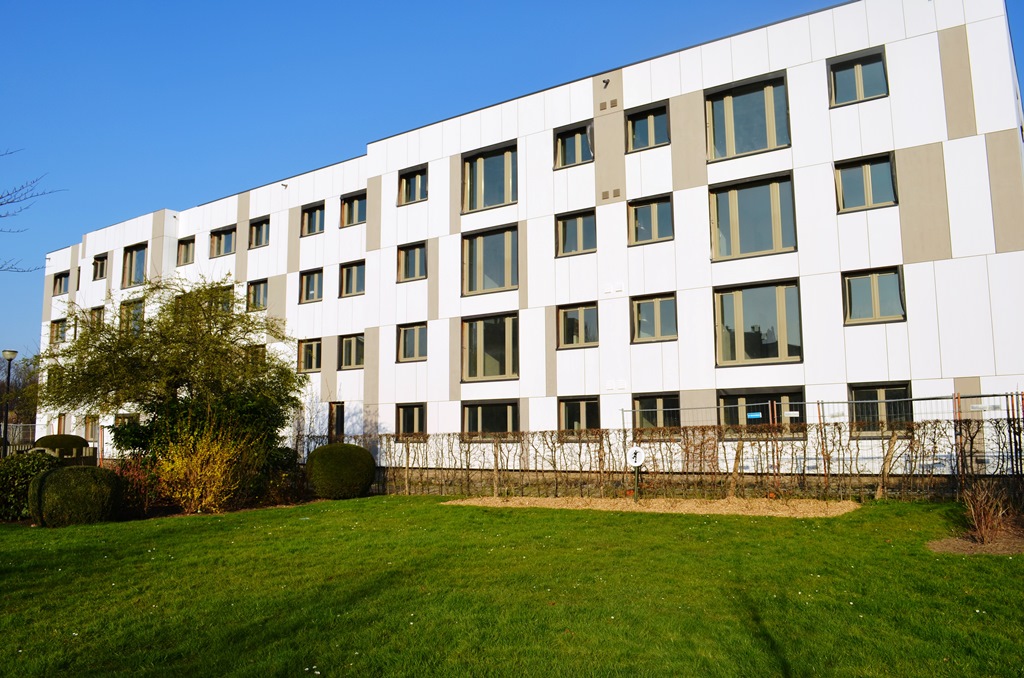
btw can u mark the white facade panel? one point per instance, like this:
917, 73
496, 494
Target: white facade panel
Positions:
850, 23
821, 303
970, 206
992, 78
750, 54
915, 91
919, 17
789, 44
716, 63
1004, 283
965, 317
817, 235
809, 120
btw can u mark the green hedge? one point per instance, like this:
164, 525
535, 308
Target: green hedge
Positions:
340, 471
16, 473
75, 495
62, 442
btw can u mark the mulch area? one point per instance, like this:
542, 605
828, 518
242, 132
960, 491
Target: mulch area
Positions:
779, 508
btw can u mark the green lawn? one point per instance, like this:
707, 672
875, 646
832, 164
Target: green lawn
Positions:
405, 586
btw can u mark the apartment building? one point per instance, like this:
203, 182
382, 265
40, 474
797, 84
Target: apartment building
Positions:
830, 208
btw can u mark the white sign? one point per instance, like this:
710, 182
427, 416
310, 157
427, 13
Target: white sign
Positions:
635, 457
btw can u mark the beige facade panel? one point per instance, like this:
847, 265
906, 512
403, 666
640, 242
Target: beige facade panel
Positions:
156, 253
688, 133
609, 138
1006, 180
48, 299
704, 399
242, 238
373, 213
294, 231
524, 423
455, 194
957, 86
371, 371
76, 271
550, 351
433, 278
454, 359
277, 296
328, 369
607, 93
924, 211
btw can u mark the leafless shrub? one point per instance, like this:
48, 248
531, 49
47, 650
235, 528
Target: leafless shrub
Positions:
987, 508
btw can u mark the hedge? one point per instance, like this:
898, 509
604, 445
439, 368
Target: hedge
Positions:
340, 471
75, 495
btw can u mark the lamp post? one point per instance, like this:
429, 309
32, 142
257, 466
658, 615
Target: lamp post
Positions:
9, 356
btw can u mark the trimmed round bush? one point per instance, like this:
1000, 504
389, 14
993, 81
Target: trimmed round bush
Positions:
62, 442
340, 471
16, 473
75, 495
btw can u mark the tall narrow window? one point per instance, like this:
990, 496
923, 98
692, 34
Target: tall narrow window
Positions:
577, 233
654, 318
579, 414
572, 147
650, 220
748, 119
353, 279
490, 261
865, 183
858, 79
312, 219
412, 186
754, 218
412, 262
490, 420
99, 267
256, 295
222, 242
186, 251
758, 324
490, 348
647, 128
92, 428
309, 355
61, 283
336, 422
311, 286
490, 179
259, 233
353, 209
577, 326
134, 271
412, 342
411, 419
351, 353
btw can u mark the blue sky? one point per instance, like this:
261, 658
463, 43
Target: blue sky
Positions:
130, 107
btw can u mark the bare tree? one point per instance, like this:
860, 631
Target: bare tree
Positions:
14, 201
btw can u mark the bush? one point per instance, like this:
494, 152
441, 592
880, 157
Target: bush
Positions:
209, 470
340, 471
16, 473
62, 442
75, 495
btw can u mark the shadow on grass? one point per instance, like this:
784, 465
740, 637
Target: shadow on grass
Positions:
760, 632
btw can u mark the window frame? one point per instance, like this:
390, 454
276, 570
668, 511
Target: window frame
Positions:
414, 178
578, 132
563, 311
634, 304
473, 165
662, 414
511, 419
58, 331
258, 227
876, 297
313, 219
403, 255
419, 416
419, 351
727, 95
186, 251
316, 274
781, 319
511, 241
130, 263
252, 295
91, 426
580, 226
61, 283
656, 235
335, 423
315, 354
223, 242
649, 114
99, 267
131, 315
352, 270
865, 165
350, 207
858, 61
780, 402
866, 428
581, 401
775, 184
511, 341
352, 351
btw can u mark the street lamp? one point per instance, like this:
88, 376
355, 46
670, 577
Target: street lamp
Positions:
9, 356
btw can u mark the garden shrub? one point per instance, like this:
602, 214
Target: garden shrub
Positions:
209, 470
340, 471
16, 473
62, 442
75, 495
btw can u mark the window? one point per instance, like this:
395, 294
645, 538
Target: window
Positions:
646, 129
858, 79
654, 318
61, 423
61, 283
487, 421
350, 352
58, 331
748, 119
577, 233
875, 408
353, 279
134, 271
186, 251
577, 326
312, 219
490, 179
256, 295
490, 261
311, 286
336, 422
873, 296
659, 410
863, 184
754, 218
412, 186
579, 414
132, 314
78, 278
123, 418
309, 355
92, 428
353, 210
412, 262
96, 316
411, 419
412, 343
758, 324
222, 242
650, 220
99, 267
490, 348
573, 147
756, 409
259, 233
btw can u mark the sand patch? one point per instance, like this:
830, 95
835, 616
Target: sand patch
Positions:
779, 508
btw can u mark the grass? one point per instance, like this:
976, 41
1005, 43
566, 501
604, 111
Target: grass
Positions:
405, 586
